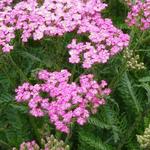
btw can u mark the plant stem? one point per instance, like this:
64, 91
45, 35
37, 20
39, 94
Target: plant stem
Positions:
31, 120
139, 41
58, 134
69, 134
117, 78
35, 131
4, 145
17, 68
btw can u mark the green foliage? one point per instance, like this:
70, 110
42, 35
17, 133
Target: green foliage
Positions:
14, 126
115, 126
129, 93
144, 140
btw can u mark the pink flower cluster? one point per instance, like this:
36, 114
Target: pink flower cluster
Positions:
30, 145
63, 102
4, 3
139, 15
6, 30
105, 40
56, 17
53, 17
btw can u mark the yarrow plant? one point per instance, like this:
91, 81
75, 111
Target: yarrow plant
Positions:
139, 15
105, 40
48, 33
57, 17
63, 102
48, 143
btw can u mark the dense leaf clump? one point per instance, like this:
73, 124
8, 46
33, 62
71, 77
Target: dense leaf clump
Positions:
55, 59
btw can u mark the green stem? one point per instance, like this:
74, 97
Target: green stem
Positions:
4, 145
132, 34
117, 78
67, 138
69, 135
17, 68
58, 134
139, 41
145, 40
31, 120
132, 128
73, 73
34, 128
129, 133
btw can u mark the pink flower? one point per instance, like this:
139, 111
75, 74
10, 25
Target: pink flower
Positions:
65, 102
139, 14
54, 18
81, 121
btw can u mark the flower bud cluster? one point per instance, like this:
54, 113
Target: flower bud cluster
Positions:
51, 143
62, 101
144, 139
133, 61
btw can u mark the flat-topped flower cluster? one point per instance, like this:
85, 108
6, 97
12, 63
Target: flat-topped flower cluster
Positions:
30, 145
63, 102
139, 15
57, 17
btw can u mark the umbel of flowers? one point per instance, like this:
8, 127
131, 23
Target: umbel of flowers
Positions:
133, 61
62, 101
139, 15
49, 143
56, 17
144, 140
